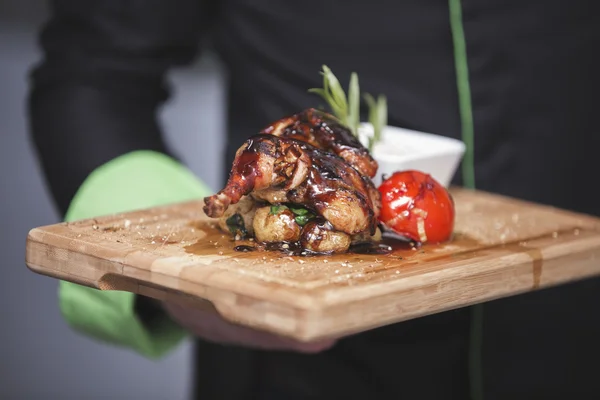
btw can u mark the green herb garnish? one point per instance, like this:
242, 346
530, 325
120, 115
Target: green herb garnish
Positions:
334, 95
347, 109
302, 215
236, 225
302, 219
299, 211
276, 208
377, 117
353, 118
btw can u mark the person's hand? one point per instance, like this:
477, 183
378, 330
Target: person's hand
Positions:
210, 326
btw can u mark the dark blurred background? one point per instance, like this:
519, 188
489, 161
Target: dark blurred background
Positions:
40, 357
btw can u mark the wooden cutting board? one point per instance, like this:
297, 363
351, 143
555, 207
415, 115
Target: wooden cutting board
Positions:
502, 247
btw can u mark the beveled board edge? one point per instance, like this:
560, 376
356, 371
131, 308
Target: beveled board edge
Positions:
494, 273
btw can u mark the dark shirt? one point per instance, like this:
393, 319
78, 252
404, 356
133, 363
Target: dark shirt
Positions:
533, 81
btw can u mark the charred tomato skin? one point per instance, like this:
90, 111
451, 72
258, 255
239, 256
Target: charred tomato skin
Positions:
416, 206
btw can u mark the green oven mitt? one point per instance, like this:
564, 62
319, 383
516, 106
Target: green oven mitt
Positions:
136, 180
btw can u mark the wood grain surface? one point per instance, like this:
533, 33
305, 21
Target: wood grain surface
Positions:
502, 247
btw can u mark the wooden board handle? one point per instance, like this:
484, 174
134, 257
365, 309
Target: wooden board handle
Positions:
47, 260
127, 284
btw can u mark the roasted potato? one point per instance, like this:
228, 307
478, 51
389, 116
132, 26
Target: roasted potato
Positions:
275, 224
320, 237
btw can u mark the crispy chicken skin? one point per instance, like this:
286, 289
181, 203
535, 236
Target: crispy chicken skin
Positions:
262, 162
301, 174
322, 130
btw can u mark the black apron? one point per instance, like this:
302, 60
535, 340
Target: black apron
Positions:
532, 83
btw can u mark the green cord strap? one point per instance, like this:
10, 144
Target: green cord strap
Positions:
464, 91
468, 173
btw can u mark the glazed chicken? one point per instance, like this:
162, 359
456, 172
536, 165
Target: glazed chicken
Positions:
308, 164
323, 131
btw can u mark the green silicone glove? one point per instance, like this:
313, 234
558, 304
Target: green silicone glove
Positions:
132, 181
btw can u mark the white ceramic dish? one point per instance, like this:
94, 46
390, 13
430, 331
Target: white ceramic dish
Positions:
403, 149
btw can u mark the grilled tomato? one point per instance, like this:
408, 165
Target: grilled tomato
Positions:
416, 206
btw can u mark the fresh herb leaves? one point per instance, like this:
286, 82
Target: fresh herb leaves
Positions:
236, 225
353, 118
377, 117
347, 109
333, 93
302, 215
276, 208
302, 219
299, 210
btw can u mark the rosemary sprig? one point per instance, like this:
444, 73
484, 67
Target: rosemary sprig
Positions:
353, 118
347, 109
333, 93
377, 117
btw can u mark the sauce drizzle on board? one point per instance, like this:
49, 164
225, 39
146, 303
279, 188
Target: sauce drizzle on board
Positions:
381, 255
537, 260
392, 247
